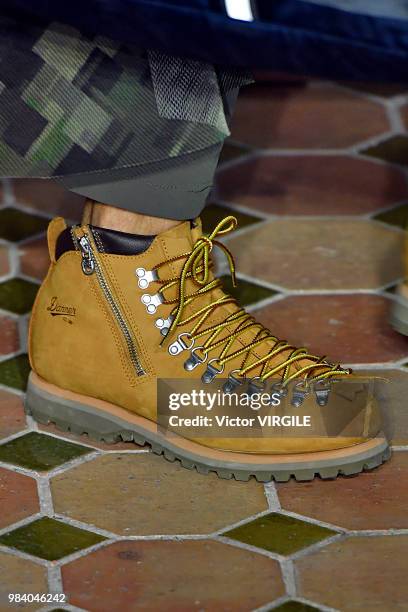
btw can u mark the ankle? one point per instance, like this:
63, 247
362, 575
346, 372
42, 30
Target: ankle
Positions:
111, 217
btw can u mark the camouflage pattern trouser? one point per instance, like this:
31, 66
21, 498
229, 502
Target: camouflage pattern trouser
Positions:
108, 119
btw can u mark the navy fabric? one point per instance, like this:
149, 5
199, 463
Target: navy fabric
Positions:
294, 36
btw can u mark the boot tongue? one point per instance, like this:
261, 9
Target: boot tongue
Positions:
180, 238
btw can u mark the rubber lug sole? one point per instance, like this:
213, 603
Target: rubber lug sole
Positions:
71, 415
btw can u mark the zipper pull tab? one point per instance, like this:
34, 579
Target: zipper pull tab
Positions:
88, 262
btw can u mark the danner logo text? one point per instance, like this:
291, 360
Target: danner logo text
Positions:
56, 309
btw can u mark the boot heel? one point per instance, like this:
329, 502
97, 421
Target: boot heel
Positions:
76, 417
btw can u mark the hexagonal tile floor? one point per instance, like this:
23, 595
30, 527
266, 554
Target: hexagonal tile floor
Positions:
322, 207
321, 254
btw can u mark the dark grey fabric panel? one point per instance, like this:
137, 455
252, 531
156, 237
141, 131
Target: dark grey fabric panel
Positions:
174, 189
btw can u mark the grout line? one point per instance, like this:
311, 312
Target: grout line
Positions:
377, 533
246, 210
110, 535
244, 521
15, 436
319, 605
31, 210
247, 155
77, 461
272, 605
394, 116
282, 600
265, 302
272, 497
62, 606
45, 497
8, 192
11, 390
317, 546
313, 521
289, 576
22, 555
22, 523
250, 548
55, 585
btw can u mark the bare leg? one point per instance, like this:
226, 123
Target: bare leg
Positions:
111, 217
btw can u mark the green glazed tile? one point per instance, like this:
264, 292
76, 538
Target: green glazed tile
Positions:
16, 225
17, 295
231, 151
279, 533
294, 606
394, 150
14, 372
214, 213
37, 451
246, 292
49, 539
396, 216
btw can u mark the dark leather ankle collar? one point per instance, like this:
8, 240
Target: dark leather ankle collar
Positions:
107, 241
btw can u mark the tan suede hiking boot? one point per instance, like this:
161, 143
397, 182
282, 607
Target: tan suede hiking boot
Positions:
117, 313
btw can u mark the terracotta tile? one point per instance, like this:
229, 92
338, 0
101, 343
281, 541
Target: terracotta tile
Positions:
183, 501
404, 115
279, 533
4, 261
314, 185
360, 573
320, 254
12, 418
18, 497
192, 575
34, 258
393, 149
49, 539
374, 500
9, 338
17, 295
391, 388
48, 197
314, 117
36, 451
20, 576
347, 328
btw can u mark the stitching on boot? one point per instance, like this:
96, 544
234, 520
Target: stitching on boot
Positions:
129, 316
98, 241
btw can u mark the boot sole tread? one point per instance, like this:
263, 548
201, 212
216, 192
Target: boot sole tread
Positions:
81, 419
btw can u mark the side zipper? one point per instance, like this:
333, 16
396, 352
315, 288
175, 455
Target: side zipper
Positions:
90, 265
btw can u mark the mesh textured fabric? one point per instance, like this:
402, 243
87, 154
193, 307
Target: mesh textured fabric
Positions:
72, 103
